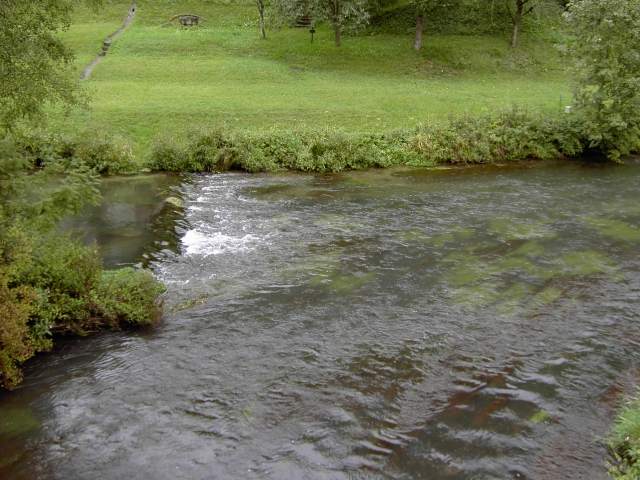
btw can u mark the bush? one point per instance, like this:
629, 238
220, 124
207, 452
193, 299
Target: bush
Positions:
104, 155
167, 155
625, 443
608, 72
505, 137
107, 156
508, 137
62, 271
16, 343
205, 151
60, 288
128, 297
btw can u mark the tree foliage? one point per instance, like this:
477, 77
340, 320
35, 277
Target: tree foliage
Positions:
342, 15
426, 10
518, 10
34, 62
32, 201
50, 282
605, 47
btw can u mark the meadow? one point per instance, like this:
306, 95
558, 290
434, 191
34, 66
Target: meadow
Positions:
161, 80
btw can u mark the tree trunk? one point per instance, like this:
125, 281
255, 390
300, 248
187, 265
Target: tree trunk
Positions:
515, 34
263, 30
337, 30
419, 30
517, 22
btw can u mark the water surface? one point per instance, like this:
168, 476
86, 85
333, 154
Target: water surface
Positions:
461, 324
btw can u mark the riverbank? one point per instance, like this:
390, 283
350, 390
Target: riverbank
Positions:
160, 81
625, 442
510, 136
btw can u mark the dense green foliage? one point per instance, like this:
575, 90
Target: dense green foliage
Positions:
28, 31
100, 154
507, 137
49, 282
465, 17
127, 297
625, 443
607, 33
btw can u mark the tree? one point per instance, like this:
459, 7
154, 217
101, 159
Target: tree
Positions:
341, 14
48, 281
426, 9
606, 35
261, 9
34, 63
522, 9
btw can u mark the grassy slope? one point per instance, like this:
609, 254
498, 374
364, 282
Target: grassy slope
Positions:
161, 80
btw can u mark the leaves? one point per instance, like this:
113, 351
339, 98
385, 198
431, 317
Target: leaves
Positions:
605, 36
34, 63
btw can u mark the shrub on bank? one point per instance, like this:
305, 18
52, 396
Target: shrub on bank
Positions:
50, 283
506, 137
104, 155
127, 297
625, 443
54, 285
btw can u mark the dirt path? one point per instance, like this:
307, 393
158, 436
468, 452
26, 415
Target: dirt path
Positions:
106, 45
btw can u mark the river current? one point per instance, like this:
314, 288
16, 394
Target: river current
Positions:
399, 324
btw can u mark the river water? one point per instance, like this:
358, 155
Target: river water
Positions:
456, 324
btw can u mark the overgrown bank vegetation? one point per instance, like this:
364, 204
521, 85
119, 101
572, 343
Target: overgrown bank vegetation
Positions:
51, 284
625, 443
508, 137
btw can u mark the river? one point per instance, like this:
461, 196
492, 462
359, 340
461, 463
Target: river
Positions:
397, 324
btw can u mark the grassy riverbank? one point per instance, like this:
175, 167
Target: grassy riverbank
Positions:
161, 80
625, 442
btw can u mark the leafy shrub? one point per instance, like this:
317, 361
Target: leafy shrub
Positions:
204, 151
104, 155
63, 272
608, 72
62, 289
271, 151
625, 443
505, 137
211, 151
508, 137
51, 284
107, 156
167, 155
128, 297
16, 343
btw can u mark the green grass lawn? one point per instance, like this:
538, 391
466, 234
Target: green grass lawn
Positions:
162, 80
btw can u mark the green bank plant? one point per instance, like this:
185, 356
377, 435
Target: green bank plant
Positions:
51, 284
104, 155
510, 136
625, 443
605, 38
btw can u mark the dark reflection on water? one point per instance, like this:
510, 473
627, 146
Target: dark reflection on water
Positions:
134, 219
471, 324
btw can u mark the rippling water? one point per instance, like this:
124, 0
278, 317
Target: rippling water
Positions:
462, 324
